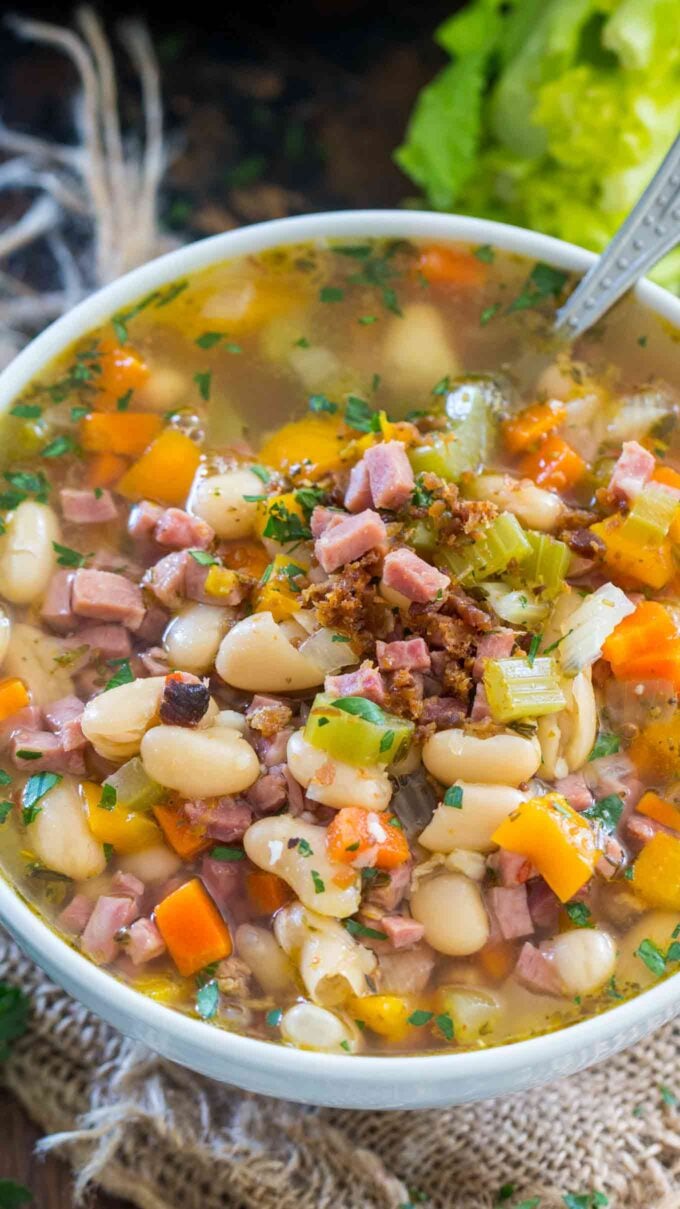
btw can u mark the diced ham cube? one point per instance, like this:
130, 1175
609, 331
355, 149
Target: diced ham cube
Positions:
296, 796
104, 596
536, 971
154, 662
358, 494
410, 653
350, 539
143, 520
167, 579
511, 911
46, 753
127, 885
402, 932
468, 609
366, 682
512, 869
407, 972
221, 879
574, 788
442, 711
268, 793
389, 893
633, 470
110, 914
390, 474
87, 507
145, 942
56, 611
412, 577
29, 719
613, 859
74, 917
497, 645
179, 530
64, 718
106, 641
227, 819
481, 710
153, 625
321, 518
640, 830
544, 904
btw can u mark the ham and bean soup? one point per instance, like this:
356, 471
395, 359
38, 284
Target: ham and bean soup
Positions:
341, 649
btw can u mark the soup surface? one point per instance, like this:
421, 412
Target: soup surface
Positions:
340, 649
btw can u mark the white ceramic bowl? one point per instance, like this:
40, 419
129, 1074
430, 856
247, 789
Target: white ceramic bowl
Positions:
348, 1082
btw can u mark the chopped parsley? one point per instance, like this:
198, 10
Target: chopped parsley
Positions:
445, 1025
222, 852
5, 779
331, 293
585, 1200
387, 740
651, 954
35, 788
367, 320
419, 1018
358, 414
123, 402
442, 387
79, 413
273, 1018
303, 846
319, 403
67, 557
209, 339
319, 884
26, 411
207, 1000
607, 812
6, 808
58, 447
355, 928
485, 253
454, 797
29, 755
361, 707
340, 638
543, 282
203, 380
261, 473
108, 798
23, 483
605, 745
204, 558
123, 674
308, 498
534, 647
579, 914
488, 313
346, 1046
303, 342
421, 497
285, 526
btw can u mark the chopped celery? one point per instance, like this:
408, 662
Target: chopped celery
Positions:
546, 566
590, 626
133, 788
502, 542
423, 536
468, 444
520, 688
518, 606
357, 731
651, 516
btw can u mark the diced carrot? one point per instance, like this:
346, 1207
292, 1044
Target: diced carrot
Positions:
498, 960
13, 696
656, 872
250, 557
652, 565
442, 264
645, 645
164, 472
122, 371
669, 478
355, 832
315, 442
121, 432
187, 839
266, 892
103, 469
557, 840
554, 465
659, 809
192, 928
525, 429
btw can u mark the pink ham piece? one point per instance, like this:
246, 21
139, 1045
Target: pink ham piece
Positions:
350, 539
389, 895
574, 788
296, 796
74, 917
29, 719
321, 518
106, 641
390, 475
412, 577
41, 751
409, 653
443, 712
227, 819
366, 682
143, 520
56, 611
407, 972
497, 645
512, 869
633, 470
401, 931
544, 905
63, 718
108, 917
179, 530
536, 972
127, 885
145, 942
509, 907
221, 879
153, 625
481, 710
104, 596
268, 794
87, 507
167, 579
358, 494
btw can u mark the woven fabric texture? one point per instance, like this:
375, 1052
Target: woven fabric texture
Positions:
151, 1131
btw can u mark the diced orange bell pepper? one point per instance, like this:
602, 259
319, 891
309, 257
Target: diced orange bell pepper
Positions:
280, 595
652, 565
164, 472
656, 872
525, 429
192, 928
249, 557
122, 432
13, 696
554, 465
557, 840
313, 442
669, 478
126, 830
444, 264
122, 370
355, 832
659, 809
103, 469
186, 839
498, 960
266, 892
645, 645
656, 749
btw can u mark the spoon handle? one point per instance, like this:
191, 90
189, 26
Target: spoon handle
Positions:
651, 230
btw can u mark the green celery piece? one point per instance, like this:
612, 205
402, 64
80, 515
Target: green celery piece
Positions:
134, 789
434, 457
468, 445
517, 688
501, 543
546, 565
353, 739
423, 536
651, 516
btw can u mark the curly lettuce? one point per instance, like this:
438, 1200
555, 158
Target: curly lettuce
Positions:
553, 114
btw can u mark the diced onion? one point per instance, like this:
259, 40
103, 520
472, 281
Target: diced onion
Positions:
518, 607
590, 626
328, 650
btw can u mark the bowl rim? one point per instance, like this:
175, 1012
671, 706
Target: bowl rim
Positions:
364, 1080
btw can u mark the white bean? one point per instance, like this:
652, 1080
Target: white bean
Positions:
199, 763
60, 836
219, 500
256, 656
659, 927
193, 637
450, 908
32, 656
154, 864
116, 720
265, 958
472, 824
312, 875
333, 966
534, 507
307, 1026
232, 719
584, 959
418, 350
27, 557
506, 759
335, 783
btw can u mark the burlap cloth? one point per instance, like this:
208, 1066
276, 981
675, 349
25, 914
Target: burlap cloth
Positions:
166, 1138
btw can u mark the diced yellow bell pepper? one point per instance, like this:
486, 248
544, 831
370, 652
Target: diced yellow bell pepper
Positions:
557, 840
220, 582
163, 989
656, 872
313, 442
280, 594
656, 750
386, 1015
652, 565
125, 830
